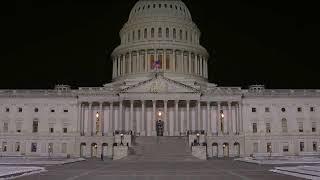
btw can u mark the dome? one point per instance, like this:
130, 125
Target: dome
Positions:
160, 8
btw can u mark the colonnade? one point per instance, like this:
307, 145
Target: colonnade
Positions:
216, 118
142, 61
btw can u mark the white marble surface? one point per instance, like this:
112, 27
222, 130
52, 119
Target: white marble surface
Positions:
11, 172
36, 161
307, 172
282, 160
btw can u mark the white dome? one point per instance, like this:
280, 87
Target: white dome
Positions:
160, 8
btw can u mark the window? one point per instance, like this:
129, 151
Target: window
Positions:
311, 109
254, 127
51, 130
139, 34
180, 34
52, 110
299, 109
133, 35
314, 127
154, 5
19, 109
160, 33
301, 146
268, 128
65, 130
284, 125
266, 109
300, 125
4, 147
269, 147
174, 34
283, 109
5, 127
255, 147
314, 146
152, 32
33, 147
7, 110
64, 148
167, 32
186, 35
35, 125
253, 109
65, 110
145, 33
36, 110
17, 147
285, 148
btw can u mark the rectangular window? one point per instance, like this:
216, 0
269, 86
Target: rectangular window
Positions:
299, 109
33, 147
19, 109
314, 127
311, 109
267, 109
254, 127
51, 130
4, 147
17, 147
64, 148
269, 148
5, 127
314, 146
52, 110
35, 125
285, 148
65, 110
254, 109
284, 125
255, 147
65, 130
268, 128
300, 125
301, 146
7, 110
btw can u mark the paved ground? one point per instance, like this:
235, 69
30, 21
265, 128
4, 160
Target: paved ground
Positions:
121, 170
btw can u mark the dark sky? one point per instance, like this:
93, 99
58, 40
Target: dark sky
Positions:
50, 42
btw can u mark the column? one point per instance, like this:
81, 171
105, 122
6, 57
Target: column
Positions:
131, 115
130, 63
120, 116
138, 129
174, 61
90, 120
199, 115
123, 64
119, 65
149, 126
165, 117
101, 119
182, 129
155, 57
146, 61
153, 116
113, 69
188, 115
229, 119
138, 62
176, 117
189, 62
83, 119
218, 126
241, 117
182, 68
111, 129
142, 117
196, 64
201, 66
208, 119
164, 67
79, 125
126, 120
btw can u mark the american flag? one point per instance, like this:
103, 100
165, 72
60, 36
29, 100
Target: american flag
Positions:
156, 64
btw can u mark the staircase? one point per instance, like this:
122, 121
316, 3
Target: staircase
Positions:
160, 149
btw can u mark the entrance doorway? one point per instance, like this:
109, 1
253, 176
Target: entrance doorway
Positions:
159, 127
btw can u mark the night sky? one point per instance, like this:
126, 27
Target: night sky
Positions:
50, 42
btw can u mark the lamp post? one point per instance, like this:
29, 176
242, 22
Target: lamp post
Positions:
121, 137
198, 138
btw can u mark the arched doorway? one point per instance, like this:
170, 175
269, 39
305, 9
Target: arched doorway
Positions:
94, 150
159, 127
236, 149
104, 149
83, 149
214, 149
225, 149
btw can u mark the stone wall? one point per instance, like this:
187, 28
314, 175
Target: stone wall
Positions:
199, 152
126, 139
120, 152
192, 137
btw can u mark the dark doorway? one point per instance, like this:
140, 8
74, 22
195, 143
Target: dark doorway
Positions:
159, 127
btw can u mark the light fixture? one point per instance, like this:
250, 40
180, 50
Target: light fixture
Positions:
222, 115
97, 115
121, 135
198, 134
224, 145
95, 146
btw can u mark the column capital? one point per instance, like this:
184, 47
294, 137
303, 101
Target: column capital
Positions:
131, 101
101, 104
229, 103
90, 104
176, 101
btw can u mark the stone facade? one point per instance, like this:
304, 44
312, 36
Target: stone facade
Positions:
159, 73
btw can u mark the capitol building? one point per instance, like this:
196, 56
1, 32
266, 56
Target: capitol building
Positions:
160, 87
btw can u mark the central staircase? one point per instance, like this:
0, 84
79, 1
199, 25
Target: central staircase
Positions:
160, 149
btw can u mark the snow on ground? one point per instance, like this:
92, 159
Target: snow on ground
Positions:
307, 172
282, 160
37, 160
11, 172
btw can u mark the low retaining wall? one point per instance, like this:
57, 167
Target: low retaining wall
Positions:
199, 152
120, 152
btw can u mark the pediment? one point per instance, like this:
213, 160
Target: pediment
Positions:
160, 84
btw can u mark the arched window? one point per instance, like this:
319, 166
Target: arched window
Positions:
167, 32
145, 33
284, 125
152, 32
154, 5
180, 34
128, 37
186, 35
160, 32
174, 34
139, 34
133, 35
